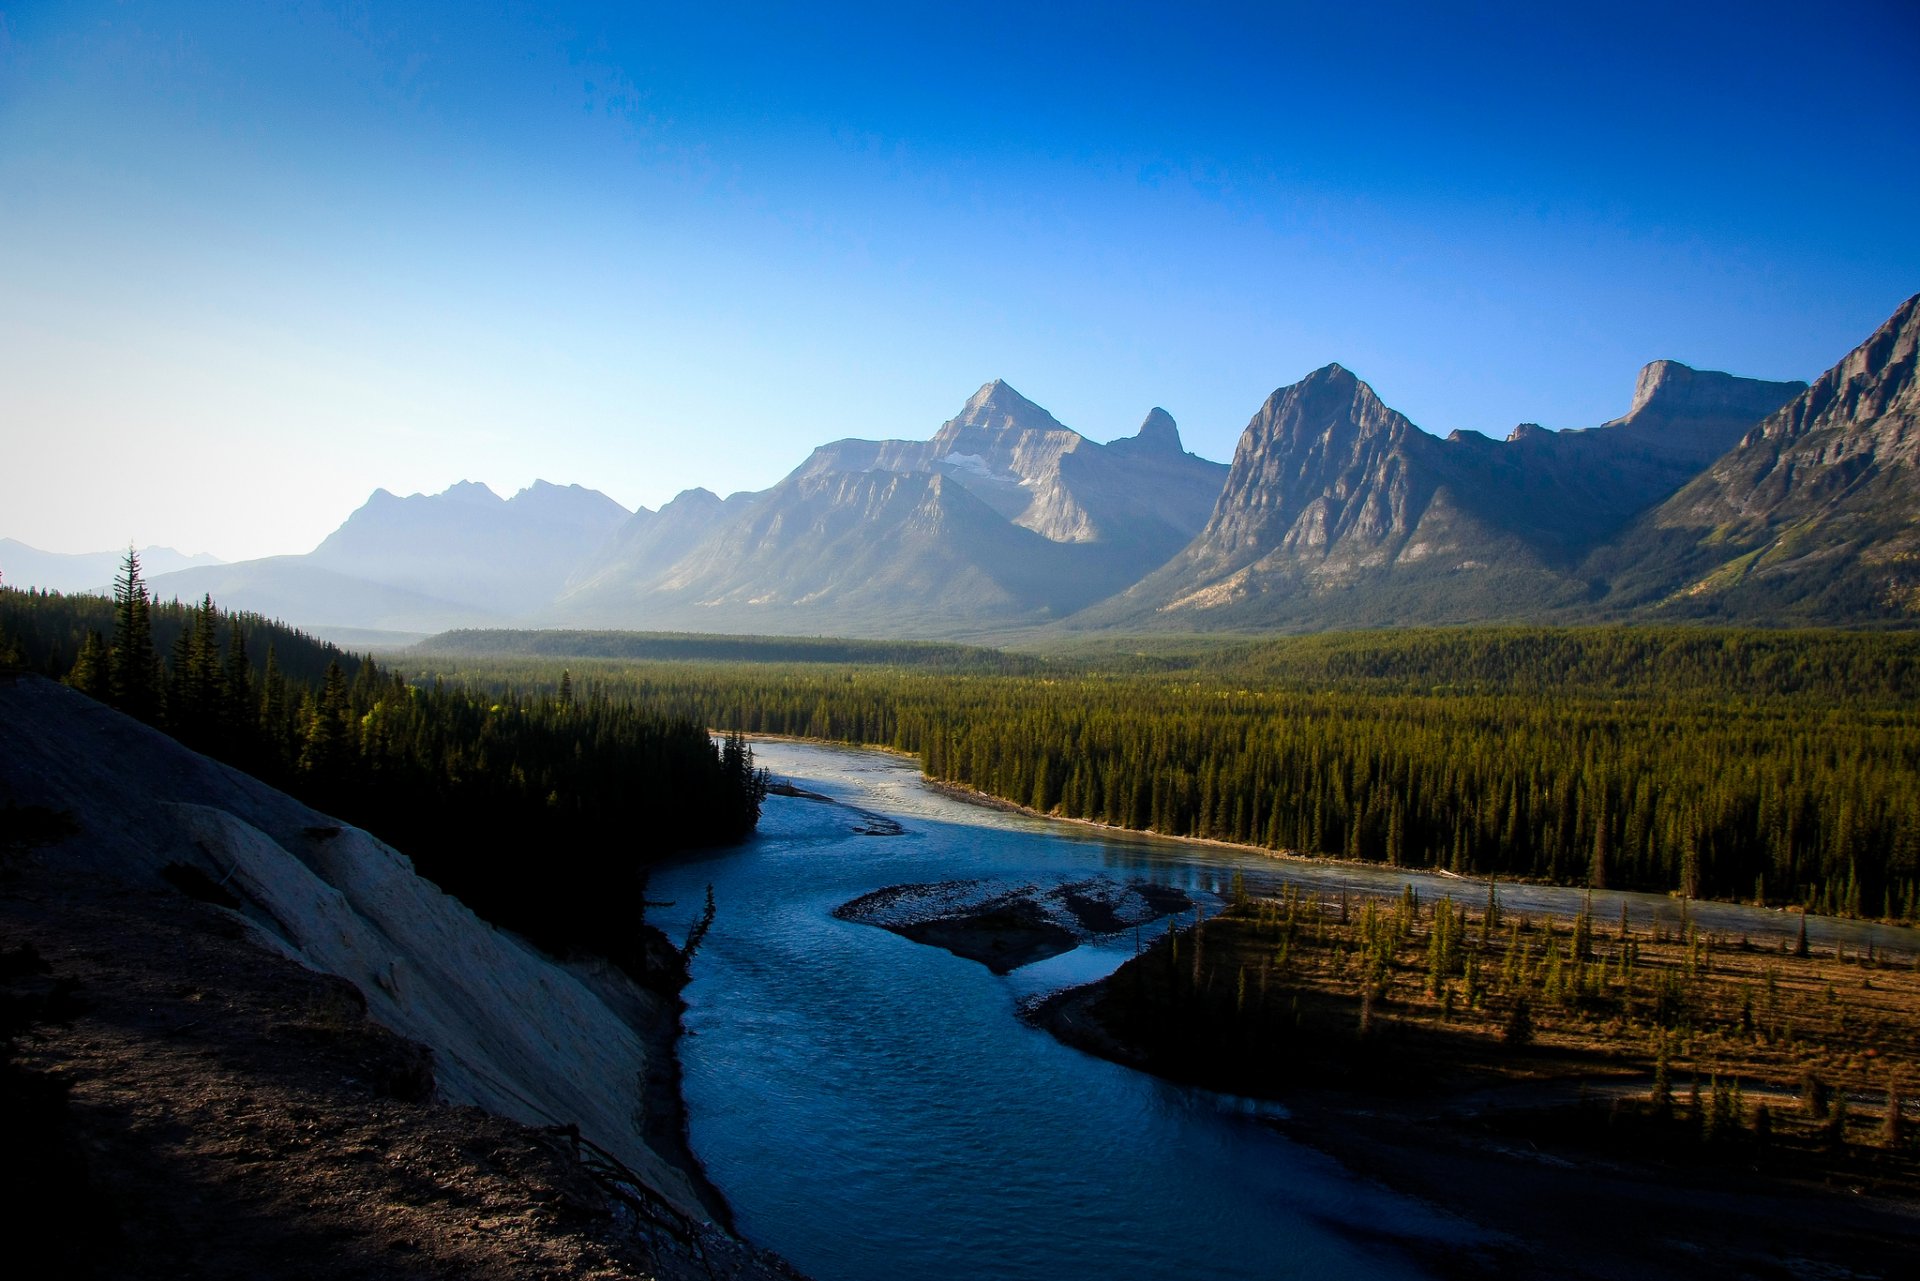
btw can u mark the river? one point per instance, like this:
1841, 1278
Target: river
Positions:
873, 1108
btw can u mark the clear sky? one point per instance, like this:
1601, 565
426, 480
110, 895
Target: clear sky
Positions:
259, 258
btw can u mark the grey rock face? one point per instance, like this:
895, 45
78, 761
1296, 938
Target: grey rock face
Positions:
1339, 511
1005, 515
1813, 516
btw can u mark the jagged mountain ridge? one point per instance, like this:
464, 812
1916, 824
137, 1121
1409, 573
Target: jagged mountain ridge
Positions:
470, 546
1340, 511
1019, 460
1814, 516
1336, 511
1003, 516
423, 563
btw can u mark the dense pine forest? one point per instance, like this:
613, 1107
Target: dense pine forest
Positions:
1778, 767
540, 811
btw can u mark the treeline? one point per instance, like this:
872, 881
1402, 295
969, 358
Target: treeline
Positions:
45, 632
1856, 668
540, 811
486, 643
1699, 788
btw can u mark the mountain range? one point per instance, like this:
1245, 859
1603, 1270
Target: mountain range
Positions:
1713, 496
24, 566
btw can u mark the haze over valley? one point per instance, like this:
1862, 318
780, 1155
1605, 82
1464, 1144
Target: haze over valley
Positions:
1712, 496
1025, 642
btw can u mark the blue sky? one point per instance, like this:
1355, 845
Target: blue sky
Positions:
258, 259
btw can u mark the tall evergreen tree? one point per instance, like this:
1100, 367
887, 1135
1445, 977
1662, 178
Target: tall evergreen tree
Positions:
89, 674
133, 668
325, 753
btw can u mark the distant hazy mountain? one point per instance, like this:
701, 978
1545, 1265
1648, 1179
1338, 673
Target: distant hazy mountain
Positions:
24, 566
319, 600
630, 563
1814, 516
470, 546
424, 563
1339, 511
1712, 496
1004, 516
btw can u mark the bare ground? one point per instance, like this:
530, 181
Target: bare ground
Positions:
229, 1113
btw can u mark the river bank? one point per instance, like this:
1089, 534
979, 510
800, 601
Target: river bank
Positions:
1566, 901
1546, 1137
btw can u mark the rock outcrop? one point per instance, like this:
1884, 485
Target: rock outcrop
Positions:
510, 1029
1814, 516
1339, 511
1004, 517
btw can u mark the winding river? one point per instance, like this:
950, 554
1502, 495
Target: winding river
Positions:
874, 1109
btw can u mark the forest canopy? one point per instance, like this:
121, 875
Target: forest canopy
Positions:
1769, 766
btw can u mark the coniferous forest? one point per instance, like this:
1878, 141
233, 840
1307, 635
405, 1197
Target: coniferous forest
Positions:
1765, 766
1776, 767
540, 811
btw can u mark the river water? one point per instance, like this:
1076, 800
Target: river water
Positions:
874, 1109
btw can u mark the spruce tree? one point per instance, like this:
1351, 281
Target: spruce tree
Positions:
133, 667
328, 734
89, 674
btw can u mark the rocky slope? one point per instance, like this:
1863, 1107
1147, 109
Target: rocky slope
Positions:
1003, 516
1814, 516
168, 843
610, 587
1336, 511
1339, 511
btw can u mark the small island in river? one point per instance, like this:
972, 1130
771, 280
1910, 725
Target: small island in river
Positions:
1004, 927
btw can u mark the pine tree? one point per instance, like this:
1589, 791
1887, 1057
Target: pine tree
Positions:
276, 713
90, 669
133, 666
236, 692
327, 739
1519, 1027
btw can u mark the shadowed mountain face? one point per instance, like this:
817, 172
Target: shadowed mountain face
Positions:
1004, 516
1815, 514
1339, 511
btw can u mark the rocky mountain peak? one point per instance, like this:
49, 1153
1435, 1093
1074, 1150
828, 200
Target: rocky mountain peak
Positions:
697, 497
998, 407
1159, 433
1810, 516
471, 491
1328, 405
1669, 389
1875, 384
